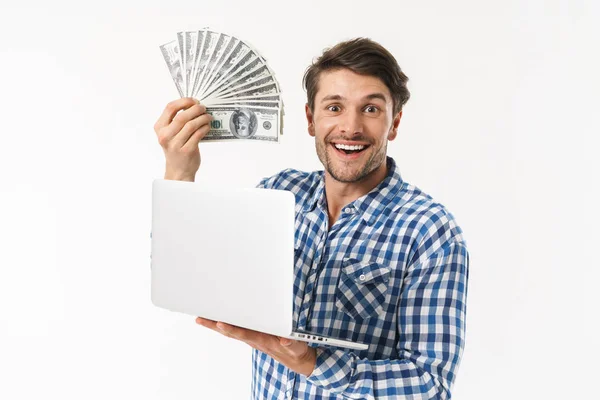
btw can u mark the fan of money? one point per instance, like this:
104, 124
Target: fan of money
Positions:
231, 79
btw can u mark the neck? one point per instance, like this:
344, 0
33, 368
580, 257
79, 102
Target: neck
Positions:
339, 194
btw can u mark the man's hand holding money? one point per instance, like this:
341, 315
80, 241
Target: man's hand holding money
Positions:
182, 125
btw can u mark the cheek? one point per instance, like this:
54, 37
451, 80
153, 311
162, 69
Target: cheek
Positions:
379, 127
324, 125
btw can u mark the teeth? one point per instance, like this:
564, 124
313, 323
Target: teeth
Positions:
346, 147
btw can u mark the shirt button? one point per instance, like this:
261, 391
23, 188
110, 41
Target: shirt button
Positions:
348, 210
362, 277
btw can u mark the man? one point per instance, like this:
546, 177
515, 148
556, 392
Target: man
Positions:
377, 260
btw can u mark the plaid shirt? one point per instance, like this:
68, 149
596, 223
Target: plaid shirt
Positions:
391, 272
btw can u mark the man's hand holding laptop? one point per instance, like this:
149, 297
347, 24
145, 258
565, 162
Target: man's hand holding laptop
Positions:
294, 354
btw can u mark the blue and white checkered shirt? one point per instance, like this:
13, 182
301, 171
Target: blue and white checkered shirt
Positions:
391, 272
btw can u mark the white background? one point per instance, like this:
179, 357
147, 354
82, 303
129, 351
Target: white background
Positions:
501, 128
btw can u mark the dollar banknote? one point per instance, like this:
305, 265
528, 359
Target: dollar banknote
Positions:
231, 123
232, 79
232, 52
170, 52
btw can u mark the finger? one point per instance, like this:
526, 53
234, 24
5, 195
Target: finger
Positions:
178, 133
258, 340
291, 346
234, 331
216, 326
212, 325
183, 118
196, 137
189, 114
186, 132
172, 109
247, 335
295, 348
206, 322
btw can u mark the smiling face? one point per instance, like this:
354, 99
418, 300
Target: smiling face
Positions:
352, 121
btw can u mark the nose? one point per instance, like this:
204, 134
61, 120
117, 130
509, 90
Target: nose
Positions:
350, 122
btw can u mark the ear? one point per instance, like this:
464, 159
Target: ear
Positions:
310, 120
394, 129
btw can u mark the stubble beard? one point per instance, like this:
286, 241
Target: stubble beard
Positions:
344, 174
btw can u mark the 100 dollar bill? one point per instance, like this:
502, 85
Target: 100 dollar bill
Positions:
231, 123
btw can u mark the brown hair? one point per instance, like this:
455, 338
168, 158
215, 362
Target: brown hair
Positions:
362, 56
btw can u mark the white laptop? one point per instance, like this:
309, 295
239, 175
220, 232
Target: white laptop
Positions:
227, 255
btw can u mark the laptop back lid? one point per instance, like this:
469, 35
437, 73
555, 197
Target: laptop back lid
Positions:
224, 254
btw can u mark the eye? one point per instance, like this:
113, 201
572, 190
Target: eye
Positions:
333, 108
371, 109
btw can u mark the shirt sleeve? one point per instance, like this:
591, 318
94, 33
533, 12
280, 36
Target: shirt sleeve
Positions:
431, 331
262, 184
272, 182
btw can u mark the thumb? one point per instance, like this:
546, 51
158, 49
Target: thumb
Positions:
295, 348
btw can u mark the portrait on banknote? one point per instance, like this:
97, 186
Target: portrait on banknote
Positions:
243, 123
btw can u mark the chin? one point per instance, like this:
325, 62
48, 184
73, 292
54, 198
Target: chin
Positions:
342, 172
345, 178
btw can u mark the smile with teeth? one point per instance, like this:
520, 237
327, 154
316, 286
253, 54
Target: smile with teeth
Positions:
349, 149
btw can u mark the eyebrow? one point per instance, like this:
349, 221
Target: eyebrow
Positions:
371, 96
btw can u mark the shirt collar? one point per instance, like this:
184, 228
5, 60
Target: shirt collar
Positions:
370, 205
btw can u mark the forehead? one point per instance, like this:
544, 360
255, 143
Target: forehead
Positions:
348, 84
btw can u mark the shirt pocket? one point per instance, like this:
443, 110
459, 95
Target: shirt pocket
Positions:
362, 288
